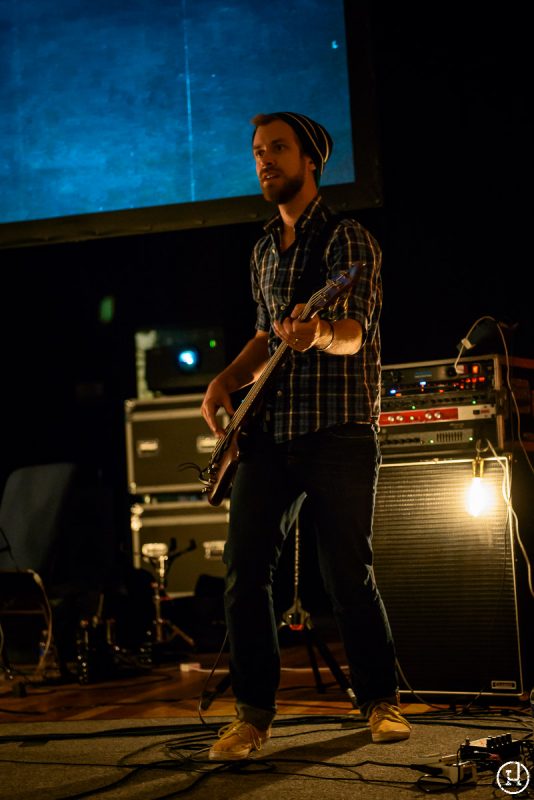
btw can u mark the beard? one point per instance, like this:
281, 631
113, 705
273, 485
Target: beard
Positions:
285, 191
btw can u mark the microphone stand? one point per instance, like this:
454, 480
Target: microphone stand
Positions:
296, 618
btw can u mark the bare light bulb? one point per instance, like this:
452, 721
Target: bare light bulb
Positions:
479, 496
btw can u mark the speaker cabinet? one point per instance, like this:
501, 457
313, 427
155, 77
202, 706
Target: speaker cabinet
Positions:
162, 433
449, 579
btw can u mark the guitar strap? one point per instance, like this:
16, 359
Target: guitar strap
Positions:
313, 274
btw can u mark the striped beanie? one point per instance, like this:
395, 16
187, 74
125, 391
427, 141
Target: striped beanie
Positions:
316, 141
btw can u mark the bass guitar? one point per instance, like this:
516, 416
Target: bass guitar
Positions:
218, 475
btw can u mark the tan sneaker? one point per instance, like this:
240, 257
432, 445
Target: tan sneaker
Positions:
237, 740
387, 724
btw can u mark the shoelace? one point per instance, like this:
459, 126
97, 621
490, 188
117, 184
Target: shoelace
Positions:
387, 712
242, 729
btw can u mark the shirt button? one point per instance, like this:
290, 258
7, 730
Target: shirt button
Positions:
279, 393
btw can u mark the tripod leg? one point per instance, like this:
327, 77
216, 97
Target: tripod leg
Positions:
332, 664
176, 631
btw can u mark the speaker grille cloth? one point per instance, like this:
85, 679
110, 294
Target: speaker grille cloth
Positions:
447, 578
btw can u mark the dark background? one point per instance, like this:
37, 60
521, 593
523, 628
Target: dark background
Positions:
455, 129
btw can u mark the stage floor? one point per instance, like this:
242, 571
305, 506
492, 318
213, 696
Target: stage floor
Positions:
143, 736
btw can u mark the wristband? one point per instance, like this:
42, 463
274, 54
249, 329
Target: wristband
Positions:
331, 342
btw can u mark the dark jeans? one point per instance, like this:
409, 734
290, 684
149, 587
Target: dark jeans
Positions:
337, 469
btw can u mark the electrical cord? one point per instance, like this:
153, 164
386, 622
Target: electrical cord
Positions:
466, 344
514, 522
206, 698
200, 769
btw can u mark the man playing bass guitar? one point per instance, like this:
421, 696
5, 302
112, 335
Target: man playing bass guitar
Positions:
314, 435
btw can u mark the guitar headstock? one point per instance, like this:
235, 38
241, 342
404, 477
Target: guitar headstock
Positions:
331, 290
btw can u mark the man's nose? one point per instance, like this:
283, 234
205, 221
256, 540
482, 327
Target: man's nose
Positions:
267, 160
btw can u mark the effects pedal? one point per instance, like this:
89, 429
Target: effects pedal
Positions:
448, 770
492, 751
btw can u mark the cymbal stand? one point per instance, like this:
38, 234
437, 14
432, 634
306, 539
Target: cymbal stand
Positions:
157, 554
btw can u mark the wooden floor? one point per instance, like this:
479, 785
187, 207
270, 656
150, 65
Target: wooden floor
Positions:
169, 689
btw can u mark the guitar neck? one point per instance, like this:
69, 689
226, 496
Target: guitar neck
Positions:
258, 386
248, 403
307, 313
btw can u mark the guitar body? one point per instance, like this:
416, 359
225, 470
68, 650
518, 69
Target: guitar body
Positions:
220, 473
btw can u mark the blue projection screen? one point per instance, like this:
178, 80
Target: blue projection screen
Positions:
122, 105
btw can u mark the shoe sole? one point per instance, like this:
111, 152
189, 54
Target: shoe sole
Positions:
227, 757
390, 737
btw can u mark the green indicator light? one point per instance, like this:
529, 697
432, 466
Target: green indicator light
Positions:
106, 310
213, 343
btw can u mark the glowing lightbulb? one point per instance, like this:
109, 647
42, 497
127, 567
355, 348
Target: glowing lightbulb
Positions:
479, 497
480, 494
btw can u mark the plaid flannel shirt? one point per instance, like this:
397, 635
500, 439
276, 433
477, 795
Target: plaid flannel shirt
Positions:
314, 390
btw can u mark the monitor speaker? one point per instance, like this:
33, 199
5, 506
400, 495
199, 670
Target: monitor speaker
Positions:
449, 580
